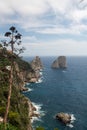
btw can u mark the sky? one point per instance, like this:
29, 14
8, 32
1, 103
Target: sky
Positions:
48, 27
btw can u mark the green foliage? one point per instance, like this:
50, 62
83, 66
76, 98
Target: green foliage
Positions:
23, 64
14, 118
8, 127
18, 114
56, 129
40, 128
2, 111
4, 62
0, 45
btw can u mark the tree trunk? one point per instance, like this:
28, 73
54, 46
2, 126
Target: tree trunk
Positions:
9, 95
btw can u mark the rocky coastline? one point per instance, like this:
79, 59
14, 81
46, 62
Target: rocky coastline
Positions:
32, 113
20, 105
32, 77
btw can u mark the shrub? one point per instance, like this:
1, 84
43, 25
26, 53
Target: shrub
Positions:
2, 111
40, 128
8, 127
14, 118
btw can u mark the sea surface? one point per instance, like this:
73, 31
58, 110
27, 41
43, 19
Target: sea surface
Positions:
61, 91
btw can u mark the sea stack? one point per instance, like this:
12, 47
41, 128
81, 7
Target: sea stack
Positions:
60, 62
37, 66
36, 63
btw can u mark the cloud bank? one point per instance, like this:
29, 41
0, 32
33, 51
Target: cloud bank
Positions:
48, 21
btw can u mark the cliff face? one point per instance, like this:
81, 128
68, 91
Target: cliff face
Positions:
60, 62
19, 109
28, 72
34, 75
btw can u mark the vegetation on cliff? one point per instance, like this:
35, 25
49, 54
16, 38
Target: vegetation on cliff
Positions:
14, 107
19, 109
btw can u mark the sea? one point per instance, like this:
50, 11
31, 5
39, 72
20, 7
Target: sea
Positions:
60, 90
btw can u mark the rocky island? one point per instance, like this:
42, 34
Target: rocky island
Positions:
60, 62
64, 117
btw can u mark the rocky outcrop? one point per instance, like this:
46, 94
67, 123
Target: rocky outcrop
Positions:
36, 63
23, 89
33, 76
32, 110
60, 62
25, 76
64, 117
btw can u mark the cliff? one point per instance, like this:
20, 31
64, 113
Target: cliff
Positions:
21, 108
60, 62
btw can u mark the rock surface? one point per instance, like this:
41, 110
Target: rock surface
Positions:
32, 110
25, 76
60, 62
64, 117
36, 63
24, 89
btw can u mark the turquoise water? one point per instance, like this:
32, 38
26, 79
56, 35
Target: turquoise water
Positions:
61, 91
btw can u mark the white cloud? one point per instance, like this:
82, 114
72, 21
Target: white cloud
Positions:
66, 47
29, 39
23, 11
73, 29
47, 17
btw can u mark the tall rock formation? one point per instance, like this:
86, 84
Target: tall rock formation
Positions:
36, 63
60, 62
36, 66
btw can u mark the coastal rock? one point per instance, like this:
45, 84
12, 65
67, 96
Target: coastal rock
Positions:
24, 89
33, 80
33, 76
64, 117
32, 110
60, 62
36, 63
25, 76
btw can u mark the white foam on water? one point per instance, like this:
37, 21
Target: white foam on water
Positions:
41, 73
72, 121
35, 119
27, 83
41, 70
39, 80
64, 71
37, 106
38, 111
29, 90
73, 117
70, 125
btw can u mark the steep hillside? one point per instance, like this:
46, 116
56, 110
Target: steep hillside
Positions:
19, 109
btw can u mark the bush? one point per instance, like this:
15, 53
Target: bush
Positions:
8, 127
2, 111
14, 118
40, 128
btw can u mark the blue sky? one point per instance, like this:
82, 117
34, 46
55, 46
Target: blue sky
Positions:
49, 27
